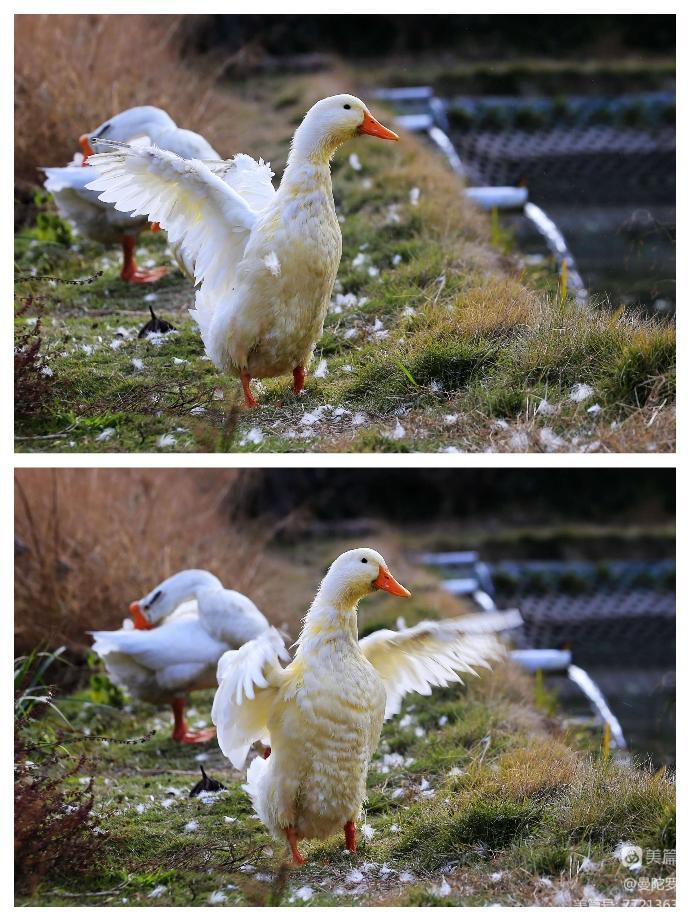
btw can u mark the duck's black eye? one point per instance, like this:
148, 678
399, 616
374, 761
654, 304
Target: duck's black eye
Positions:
364, 559
347, 106
155, 598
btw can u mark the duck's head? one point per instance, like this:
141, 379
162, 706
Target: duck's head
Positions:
139, 121
169, 595
332, 121
149, 610
356, 573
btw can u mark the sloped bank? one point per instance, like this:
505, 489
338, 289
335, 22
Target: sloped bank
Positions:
476, 797
437, 339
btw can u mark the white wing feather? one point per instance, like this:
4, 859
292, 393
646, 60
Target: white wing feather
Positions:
248, 679
433, 652
200, 212
249, 178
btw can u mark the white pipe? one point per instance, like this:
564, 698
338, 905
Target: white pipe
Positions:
503, 197
597, 699
546, 660
418, 121
559, 248
466, 586
484, 601
405, 93
444, 143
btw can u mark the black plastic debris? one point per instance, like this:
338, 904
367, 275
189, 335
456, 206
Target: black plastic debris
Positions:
154, 325
206, 784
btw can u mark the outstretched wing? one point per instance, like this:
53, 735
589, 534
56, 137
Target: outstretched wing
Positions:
249, 178
433, 652
200, 212
248, 679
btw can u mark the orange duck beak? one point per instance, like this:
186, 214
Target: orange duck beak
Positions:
140, 622
385, 581
86, 148
376, 129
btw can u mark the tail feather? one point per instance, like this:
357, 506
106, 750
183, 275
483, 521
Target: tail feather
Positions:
202, 313
258, 779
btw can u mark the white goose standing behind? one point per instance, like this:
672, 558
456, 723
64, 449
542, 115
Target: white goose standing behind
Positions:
265, 260
103, 223
199, 621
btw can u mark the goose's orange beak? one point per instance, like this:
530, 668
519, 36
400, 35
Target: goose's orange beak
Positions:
140, 622
86, 148
386, 581
376, 129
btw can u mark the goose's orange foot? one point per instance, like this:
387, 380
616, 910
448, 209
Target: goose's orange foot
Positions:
249, 400
130, 271
291, 835
181, 732
190, 737
351, 836
143, 276
298, 376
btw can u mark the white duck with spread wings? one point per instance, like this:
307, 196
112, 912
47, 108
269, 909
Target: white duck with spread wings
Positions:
322, 714
265, 261
181, 629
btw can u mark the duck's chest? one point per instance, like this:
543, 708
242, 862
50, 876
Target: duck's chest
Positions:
294, 262
340, 706
342, 700
308, 241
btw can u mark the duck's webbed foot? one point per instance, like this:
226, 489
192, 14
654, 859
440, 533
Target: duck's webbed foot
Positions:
351, 836
181, 732
298, 376
139, 276
193, 737
291, 835
131, 271
249, 400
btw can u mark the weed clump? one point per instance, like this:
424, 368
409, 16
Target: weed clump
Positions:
32, 373
55, 827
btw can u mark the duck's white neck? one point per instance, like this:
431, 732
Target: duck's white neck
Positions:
310, 156
302, 176
188, 585
332, 616
162, 136
136, 122
312, 144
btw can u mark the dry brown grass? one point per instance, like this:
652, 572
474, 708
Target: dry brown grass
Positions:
546, 766
91, 541
74, 71
88, 542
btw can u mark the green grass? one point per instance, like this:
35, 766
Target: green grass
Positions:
432, 320
472, 785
